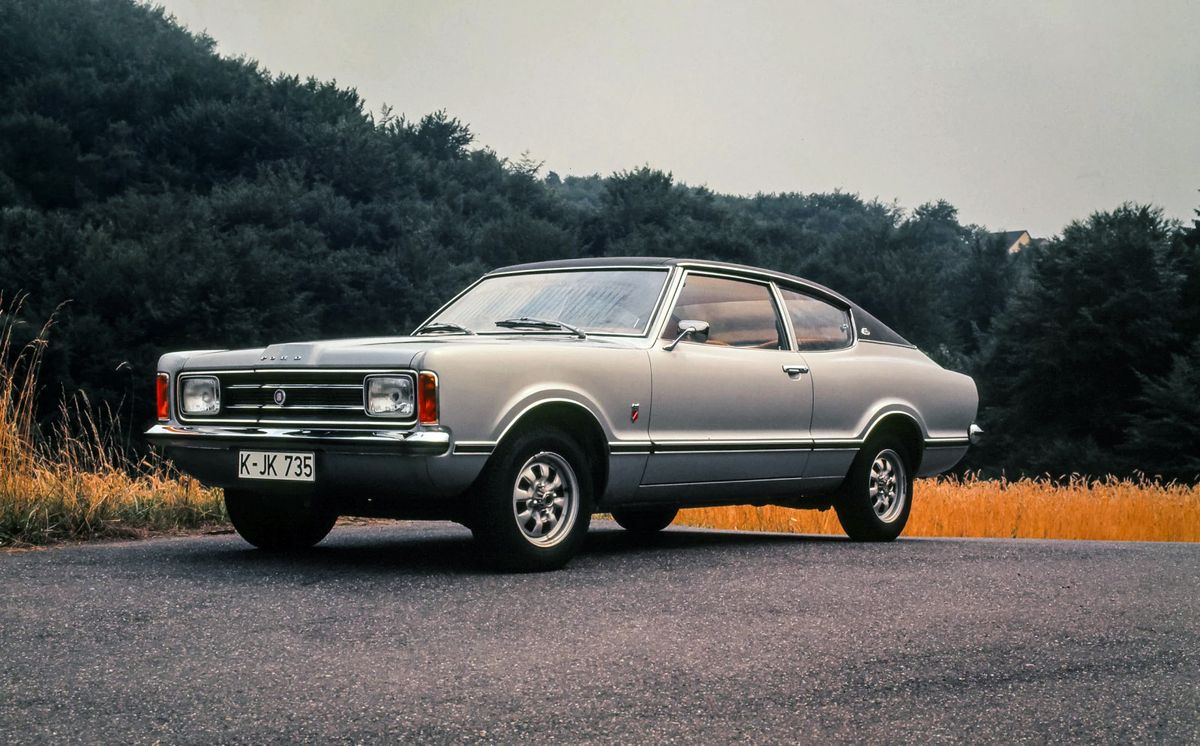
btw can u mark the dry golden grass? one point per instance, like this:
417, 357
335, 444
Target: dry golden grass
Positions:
76, 482
1111, 509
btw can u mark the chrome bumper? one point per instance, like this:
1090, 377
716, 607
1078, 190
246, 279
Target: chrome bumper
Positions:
415, 442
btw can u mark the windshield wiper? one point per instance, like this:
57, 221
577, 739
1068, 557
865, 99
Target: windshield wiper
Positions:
441, 326
525, 322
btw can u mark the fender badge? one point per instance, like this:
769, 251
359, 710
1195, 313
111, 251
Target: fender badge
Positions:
633, 411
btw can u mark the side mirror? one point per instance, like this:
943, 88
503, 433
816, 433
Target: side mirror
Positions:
692, 329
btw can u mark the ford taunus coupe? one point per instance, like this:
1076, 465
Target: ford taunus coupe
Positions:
546, 392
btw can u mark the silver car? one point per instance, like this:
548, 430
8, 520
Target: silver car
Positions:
544, 393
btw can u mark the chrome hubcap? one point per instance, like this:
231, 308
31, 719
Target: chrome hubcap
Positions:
545, 498
888, 486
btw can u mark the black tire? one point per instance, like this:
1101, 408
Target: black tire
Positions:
877, 498
644, 520
278, 523
554, 471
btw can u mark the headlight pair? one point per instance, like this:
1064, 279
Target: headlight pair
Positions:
384, 396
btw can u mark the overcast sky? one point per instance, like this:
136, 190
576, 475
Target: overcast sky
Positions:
1023, 115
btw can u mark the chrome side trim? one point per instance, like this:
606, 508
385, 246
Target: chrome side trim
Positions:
765, 480
421, 442
947, 442
734, 446
474, 449
630, 447
645, 447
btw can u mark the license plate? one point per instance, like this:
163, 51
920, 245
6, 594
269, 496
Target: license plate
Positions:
291, 467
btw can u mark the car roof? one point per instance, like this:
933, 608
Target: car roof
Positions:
659, 261
876, 329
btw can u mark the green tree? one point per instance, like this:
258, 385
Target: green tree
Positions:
1096, 314
1165, 429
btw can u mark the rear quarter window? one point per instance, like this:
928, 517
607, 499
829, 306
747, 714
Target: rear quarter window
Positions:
817, 324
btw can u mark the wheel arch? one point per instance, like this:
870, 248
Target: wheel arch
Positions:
578, 421
906, 427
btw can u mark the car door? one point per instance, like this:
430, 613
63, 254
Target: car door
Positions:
733, 407
843, 387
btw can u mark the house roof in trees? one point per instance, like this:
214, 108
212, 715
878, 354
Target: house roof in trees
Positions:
1014, 240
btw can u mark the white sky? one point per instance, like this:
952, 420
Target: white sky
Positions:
1022, 114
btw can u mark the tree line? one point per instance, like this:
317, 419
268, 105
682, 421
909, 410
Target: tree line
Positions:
180, 199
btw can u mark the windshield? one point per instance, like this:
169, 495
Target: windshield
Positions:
599, 301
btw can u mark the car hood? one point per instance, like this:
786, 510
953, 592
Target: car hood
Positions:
389, 352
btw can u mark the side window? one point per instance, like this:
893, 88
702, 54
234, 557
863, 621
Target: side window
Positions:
818, 325
739, 314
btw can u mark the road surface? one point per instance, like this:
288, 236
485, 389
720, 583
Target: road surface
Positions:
394, 633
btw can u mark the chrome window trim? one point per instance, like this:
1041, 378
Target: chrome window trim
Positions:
675, 281
601, 268
892, 344
849, 310
781, 309
781, 278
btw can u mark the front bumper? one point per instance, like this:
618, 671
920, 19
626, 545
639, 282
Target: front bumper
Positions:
376, 466
413, 442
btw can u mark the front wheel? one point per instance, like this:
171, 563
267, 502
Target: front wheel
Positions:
878, 493
278, 523
536, 502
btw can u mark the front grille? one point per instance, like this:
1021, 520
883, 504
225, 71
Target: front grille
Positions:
310, 397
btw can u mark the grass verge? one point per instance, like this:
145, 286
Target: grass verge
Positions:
76, 481
1109, 509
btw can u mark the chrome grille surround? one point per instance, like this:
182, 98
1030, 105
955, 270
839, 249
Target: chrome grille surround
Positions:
321, 397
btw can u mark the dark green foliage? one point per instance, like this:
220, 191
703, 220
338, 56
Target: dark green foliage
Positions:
1096, 315
179, 199
1165, 430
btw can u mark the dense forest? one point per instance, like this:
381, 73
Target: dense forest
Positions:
174, 198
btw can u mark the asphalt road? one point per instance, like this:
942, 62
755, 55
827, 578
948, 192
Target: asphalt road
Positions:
393, 633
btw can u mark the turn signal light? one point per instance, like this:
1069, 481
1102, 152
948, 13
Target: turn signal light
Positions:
427, 398
162, 385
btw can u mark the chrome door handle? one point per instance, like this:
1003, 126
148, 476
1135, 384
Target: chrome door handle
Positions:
795, 370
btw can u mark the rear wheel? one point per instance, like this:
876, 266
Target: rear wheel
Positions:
644, 520
278, 523
878, 492
536, 502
